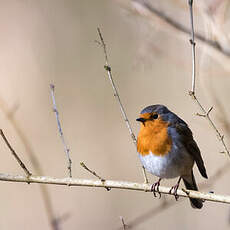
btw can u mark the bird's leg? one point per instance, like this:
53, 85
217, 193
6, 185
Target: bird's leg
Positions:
155, 188
174, 188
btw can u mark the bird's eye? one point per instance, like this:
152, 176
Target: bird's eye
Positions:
155, 116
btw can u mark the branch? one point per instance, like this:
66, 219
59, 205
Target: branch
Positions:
116, 95
112, 184
166, 204
193, 48
28, 173
60, 130
178, 26
124, 226
49, 209
94, 173
192, 92
214, 49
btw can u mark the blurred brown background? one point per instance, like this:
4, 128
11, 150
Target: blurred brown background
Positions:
47, 41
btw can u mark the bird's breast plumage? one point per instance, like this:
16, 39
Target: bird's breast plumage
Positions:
162, 154
153, 137
176, 163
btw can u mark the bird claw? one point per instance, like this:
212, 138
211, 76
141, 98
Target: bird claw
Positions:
155, 188
174, 189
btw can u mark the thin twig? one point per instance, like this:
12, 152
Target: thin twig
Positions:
28, 173
124, 226
171, 22
46, 197
116, 94
148, 10
112, 184
192, 92
66, 149
57, 221
207, 113
145, 176
92, 172
95, 174
193, 48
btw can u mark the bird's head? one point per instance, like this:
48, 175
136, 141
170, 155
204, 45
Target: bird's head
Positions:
152, 116
153, 135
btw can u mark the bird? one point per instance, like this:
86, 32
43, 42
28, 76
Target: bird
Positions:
167, 149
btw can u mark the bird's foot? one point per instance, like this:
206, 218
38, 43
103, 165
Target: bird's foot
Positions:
155, 188
174, 189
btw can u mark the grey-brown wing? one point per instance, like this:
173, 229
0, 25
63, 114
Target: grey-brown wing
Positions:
191, 146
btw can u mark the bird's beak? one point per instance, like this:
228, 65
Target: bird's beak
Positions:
142, 120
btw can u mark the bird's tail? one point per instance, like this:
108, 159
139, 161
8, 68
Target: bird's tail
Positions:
190, 184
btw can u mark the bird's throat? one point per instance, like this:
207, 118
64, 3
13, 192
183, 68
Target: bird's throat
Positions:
153, 137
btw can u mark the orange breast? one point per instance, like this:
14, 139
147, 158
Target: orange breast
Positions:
153, 136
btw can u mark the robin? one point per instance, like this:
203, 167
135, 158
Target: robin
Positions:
167, 149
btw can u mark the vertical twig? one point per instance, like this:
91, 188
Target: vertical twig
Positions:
116, 94
57, 221
124, 226
192, 92
193, 48
66, 149
28, 173
145, 175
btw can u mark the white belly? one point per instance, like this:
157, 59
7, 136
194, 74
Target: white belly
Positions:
174, 164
